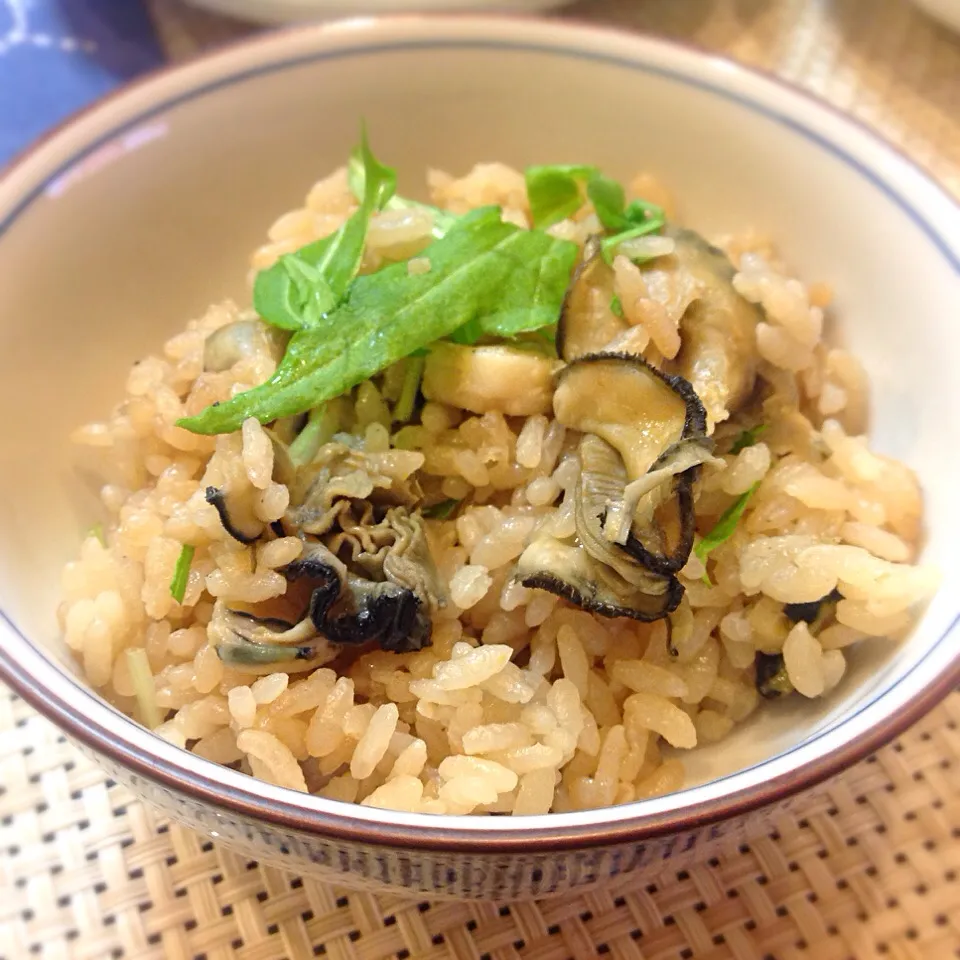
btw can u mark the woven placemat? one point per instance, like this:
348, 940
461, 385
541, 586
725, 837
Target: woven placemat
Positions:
868, 869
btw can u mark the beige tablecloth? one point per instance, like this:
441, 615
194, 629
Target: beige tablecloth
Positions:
869, 870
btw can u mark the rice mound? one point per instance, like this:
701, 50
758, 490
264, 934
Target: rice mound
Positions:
523, 704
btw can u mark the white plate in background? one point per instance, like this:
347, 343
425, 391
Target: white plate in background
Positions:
293, 11
946, 11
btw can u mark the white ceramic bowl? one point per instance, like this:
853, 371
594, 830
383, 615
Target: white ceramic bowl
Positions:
300, 11
141, 211
946, 11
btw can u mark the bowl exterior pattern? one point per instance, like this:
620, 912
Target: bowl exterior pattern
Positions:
419, 871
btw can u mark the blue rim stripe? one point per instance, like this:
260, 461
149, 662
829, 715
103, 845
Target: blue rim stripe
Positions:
522, 47
932, 234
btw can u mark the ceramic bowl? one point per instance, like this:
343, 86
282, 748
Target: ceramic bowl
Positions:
138, 213
946, 11
299, 11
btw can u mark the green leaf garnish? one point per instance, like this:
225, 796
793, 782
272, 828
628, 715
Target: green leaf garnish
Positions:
469, 333
609, 202
97, 531
181, 573
443, 220
640, 210
748, 438
553, 192
724, 528
303, 286
412, 375
443, 510
616, 307
508, 279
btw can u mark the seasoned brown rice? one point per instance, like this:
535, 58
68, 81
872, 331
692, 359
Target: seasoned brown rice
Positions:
523, 703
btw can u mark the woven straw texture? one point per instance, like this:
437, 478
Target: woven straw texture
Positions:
869, 869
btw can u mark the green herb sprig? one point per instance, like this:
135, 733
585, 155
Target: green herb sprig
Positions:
724, 528
443, 220
181, 572
748, 438
303, 286
443, 510
554, 193
503, 279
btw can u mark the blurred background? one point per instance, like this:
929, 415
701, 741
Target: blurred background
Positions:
888, 62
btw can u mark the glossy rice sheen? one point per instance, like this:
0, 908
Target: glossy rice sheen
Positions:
522, 704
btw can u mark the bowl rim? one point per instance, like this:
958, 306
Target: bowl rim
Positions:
78, 710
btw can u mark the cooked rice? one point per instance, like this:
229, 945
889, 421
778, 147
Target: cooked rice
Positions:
523, 704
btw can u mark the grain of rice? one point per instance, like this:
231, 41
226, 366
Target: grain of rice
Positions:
701, 671
834, 665
465, 794
711, 726
430, 692
495, 774
243, 706
747, 468
803, 658
543, 653
601, 702
372, 745
535, 793
257, 454
536, 756
658, 714
410, 761
736, 634
862, 619
504, 543
530, 441
343, 788
563, 699
400, 793
601, 789
666, 779
219, 747
493, 737
357, 719
472, 668
290, 731
541, 605
275, 756
538, 718
469, 585
336, 758
643, 677
589, 739
172, 733
268, 688
511, 684
837, 636
542, 491
325, 732
573, 659
881, 543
